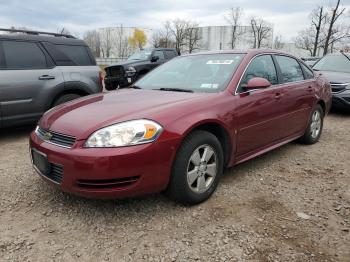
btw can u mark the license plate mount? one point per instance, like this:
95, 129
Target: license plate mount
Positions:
40, 162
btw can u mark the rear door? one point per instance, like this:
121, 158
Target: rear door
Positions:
259, 111
26, 77
298, 89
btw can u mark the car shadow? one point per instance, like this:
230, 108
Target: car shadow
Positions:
338, 112
161, 201
16, 132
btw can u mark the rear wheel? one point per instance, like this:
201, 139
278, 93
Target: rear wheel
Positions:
314, 129
65, 98
197, 168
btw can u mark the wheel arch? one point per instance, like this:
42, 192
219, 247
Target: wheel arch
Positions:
217, 129
69, 88
323, 105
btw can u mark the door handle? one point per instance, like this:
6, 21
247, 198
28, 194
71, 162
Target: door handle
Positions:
46, 77
310, 89
278, 96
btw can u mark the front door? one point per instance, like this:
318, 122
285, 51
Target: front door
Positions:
259, 111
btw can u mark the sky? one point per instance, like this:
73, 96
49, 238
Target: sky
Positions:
78, 16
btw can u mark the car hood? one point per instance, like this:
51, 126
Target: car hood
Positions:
336, 77
129, 63
84, 116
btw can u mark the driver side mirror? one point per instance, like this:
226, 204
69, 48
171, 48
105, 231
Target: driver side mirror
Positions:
154, 59
257, 83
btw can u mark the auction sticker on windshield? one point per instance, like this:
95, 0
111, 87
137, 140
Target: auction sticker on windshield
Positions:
219, 62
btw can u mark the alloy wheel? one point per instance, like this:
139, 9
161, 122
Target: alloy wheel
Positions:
316, 124
202, 169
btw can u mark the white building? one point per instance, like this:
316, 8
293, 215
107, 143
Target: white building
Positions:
220, 38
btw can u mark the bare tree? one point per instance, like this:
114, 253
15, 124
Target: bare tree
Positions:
234, 19
318, 19
92, 39
261, 31
163, 37
278, 43
334, 33
63, 31
121, 43
179, 30
305, 40
107, 40
193, 37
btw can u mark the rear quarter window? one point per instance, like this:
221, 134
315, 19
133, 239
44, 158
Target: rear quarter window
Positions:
308, 74
77, 54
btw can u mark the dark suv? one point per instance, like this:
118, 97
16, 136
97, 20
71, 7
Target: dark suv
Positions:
38, 72
137, 65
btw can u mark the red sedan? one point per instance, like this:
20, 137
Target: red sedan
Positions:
179, 126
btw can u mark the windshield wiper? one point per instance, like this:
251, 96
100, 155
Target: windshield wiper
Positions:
175, 89
135, 87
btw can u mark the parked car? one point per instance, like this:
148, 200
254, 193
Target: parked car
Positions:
178, 127
125, 73
310, 61
38, 72
336, 68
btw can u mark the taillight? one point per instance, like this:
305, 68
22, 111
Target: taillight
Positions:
100, 80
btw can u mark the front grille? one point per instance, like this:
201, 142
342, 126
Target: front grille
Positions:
337, 87
115, 71
118, 183
56, 173
55, 138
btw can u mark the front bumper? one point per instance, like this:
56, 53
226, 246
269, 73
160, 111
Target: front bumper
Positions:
109, 172
341, 100
112, 83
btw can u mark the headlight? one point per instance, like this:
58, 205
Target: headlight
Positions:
130, 71
125, 134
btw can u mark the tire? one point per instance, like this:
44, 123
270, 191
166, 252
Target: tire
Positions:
314, 128
201, 184
65, 98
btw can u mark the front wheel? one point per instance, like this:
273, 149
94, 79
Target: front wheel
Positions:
197, 168
314, 129
65, 98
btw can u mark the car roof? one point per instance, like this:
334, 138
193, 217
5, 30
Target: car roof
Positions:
252, 52
35, 38
163, 49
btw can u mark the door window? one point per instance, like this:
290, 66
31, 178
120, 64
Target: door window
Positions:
160, 54
261, 66
290, 69
170, 54
23, 55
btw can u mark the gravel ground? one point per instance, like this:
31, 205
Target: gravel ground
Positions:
292, 204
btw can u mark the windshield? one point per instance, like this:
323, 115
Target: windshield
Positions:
142, 55
198, 73
336, 63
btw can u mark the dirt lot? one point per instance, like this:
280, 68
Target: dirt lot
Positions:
292, 204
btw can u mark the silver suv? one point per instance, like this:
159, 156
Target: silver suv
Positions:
38, 72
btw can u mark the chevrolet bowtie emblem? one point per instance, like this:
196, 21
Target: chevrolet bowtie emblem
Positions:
47, 135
